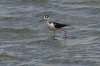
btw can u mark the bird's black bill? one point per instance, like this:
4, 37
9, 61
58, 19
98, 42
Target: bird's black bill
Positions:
41, 20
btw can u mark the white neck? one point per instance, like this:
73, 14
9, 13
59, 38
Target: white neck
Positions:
46, 20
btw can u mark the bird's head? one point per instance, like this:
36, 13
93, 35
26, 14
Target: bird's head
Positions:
46, 18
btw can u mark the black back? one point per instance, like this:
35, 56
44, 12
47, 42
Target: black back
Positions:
58, 25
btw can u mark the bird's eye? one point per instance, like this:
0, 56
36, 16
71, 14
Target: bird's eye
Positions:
46, 16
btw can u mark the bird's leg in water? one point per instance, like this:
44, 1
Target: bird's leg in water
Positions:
65, 32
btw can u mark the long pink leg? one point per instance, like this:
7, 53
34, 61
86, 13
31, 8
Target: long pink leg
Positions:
65, 32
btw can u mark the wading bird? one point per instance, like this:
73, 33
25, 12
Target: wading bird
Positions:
53, 25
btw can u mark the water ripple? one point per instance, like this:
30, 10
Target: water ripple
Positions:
24, 41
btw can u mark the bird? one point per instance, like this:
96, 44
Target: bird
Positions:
53, 26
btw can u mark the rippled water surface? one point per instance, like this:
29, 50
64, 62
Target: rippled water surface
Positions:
24, 41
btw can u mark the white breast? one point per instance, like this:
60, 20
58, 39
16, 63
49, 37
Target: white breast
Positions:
51, 26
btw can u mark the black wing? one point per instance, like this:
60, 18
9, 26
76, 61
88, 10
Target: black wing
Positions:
58, 25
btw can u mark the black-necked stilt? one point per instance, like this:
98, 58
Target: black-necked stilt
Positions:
54, 26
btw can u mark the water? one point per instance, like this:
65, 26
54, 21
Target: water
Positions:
26, 42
